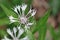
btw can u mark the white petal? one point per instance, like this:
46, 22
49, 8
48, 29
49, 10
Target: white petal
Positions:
15, 10
20, 32
12, 19
25, 38
30, 11
26, 27
33, 13
14, 29
17, 7
10, 33
19, 28
23, 7
30, 24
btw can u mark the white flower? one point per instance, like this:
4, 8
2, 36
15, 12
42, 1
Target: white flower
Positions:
14, 34
22, 18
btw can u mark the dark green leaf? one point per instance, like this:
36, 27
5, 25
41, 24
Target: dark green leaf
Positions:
2, 33
7, 11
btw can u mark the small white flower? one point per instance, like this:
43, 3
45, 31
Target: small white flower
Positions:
14, 34
22, 18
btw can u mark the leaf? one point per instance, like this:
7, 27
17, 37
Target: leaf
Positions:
2, 33
3, 18
4, 21
7, 11
11, 3
41, 21
2, 14
42, 32
52, 31
17, 2
42, 27
29, 2
55, 6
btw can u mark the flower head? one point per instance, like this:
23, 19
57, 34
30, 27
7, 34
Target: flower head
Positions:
14, 34
22, 18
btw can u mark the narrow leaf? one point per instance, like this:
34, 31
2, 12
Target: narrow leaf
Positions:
7, 11
41, 22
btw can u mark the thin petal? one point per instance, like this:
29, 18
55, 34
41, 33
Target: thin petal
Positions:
30, 24
25, 38
17, 7
14, 30
27, 26
12, 19
20, 32
33, 13
23, 7
10, 33
30, 11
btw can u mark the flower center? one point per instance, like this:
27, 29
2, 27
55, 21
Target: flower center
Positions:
23, 20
